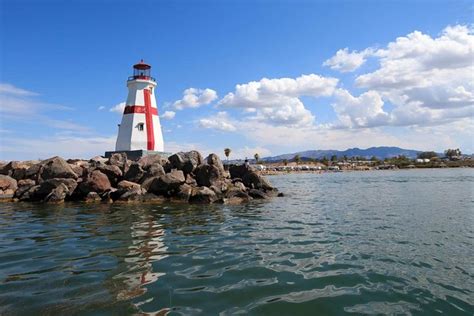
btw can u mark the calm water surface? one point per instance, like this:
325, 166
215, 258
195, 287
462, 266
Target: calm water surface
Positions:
341, 243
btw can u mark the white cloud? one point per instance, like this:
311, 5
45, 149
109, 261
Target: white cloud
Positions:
363, 111
118, 108
6, 88
100, 108
276, 101
168, 115
193, 98
220, 121
346, 61
427, 80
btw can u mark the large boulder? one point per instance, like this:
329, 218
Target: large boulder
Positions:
128, 191
249, 178
16, 169
253, 180
51, 190
214, 160
56, 167
8, 186
208, 175
119, 160
135, 173
203, 195
152, 160
186, 161
96, 181
23, 186
113, 173
167, 184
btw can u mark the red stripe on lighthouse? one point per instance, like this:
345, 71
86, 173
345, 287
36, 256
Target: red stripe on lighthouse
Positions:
130, 109
150, 135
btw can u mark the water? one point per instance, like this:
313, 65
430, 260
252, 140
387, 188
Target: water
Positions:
386, 242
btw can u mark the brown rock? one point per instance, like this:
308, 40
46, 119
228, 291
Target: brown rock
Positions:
113, 173
92, 197
135, 172
56, 167
203, 195
7, 182
186, 161
168, 183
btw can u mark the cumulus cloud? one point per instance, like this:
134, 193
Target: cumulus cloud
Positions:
346, 61
276, 101
427, 80
220, 121
168, 115
363, 111
193, 98
118, 108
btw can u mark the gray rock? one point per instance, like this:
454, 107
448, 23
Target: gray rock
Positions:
135, 173
23, 186
257, 194
203, 195
208, 175
92, 197
168, 183
214, 160
186, 161
113, 173
56, 167
255, 181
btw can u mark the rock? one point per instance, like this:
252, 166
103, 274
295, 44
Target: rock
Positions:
151, 160
203, 195
57, 195
135, 172
128, 191
257, 194
147, 182
51, 190
280, 194
77, 170
184, 192
16, 169
56, 167
23, 186
237, 171
119, 160
255, 181
186, 161
214, 160
98, 159
168, 183
153, 198
207, 175
96, 181
29, 194
153, 171
113, 173
239, 185
7, 182
92, 197
190, 180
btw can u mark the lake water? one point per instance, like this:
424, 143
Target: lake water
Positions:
383, 242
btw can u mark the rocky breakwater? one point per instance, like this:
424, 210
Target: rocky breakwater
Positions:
182, 177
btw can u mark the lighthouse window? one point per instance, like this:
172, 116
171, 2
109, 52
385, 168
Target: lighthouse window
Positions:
140, 127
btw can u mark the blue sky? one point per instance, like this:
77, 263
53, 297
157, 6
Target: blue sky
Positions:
356, 74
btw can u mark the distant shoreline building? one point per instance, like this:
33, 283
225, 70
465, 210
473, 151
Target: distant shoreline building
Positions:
140, 132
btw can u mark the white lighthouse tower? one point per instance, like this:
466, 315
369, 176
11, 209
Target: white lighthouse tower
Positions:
140, 129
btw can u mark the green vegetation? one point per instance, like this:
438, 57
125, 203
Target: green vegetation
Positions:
297, 159
257, 157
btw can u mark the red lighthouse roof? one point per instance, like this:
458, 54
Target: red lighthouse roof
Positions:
142, 65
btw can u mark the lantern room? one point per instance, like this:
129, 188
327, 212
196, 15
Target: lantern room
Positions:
141, 71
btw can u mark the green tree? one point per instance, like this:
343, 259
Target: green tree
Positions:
324, 160
285, 162
297, 159
427, 155
450, 153
257, 157
333, 158
375, 159
227, 152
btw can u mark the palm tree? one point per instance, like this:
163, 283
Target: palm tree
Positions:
257, 157
297, 159
227, 152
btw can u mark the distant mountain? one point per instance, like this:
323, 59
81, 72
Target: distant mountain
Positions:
379, 152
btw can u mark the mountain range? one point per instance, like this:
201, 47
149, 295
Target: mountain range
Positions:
379, 152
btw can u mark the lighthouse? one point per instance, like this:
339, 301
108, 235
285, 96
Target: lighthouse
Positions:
140, 129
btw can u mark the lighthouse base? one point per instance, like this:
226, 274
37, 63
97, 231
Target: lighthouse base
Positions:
137, 154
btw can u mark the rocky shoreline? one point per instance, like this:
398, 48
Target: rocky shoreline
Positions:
182, 177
